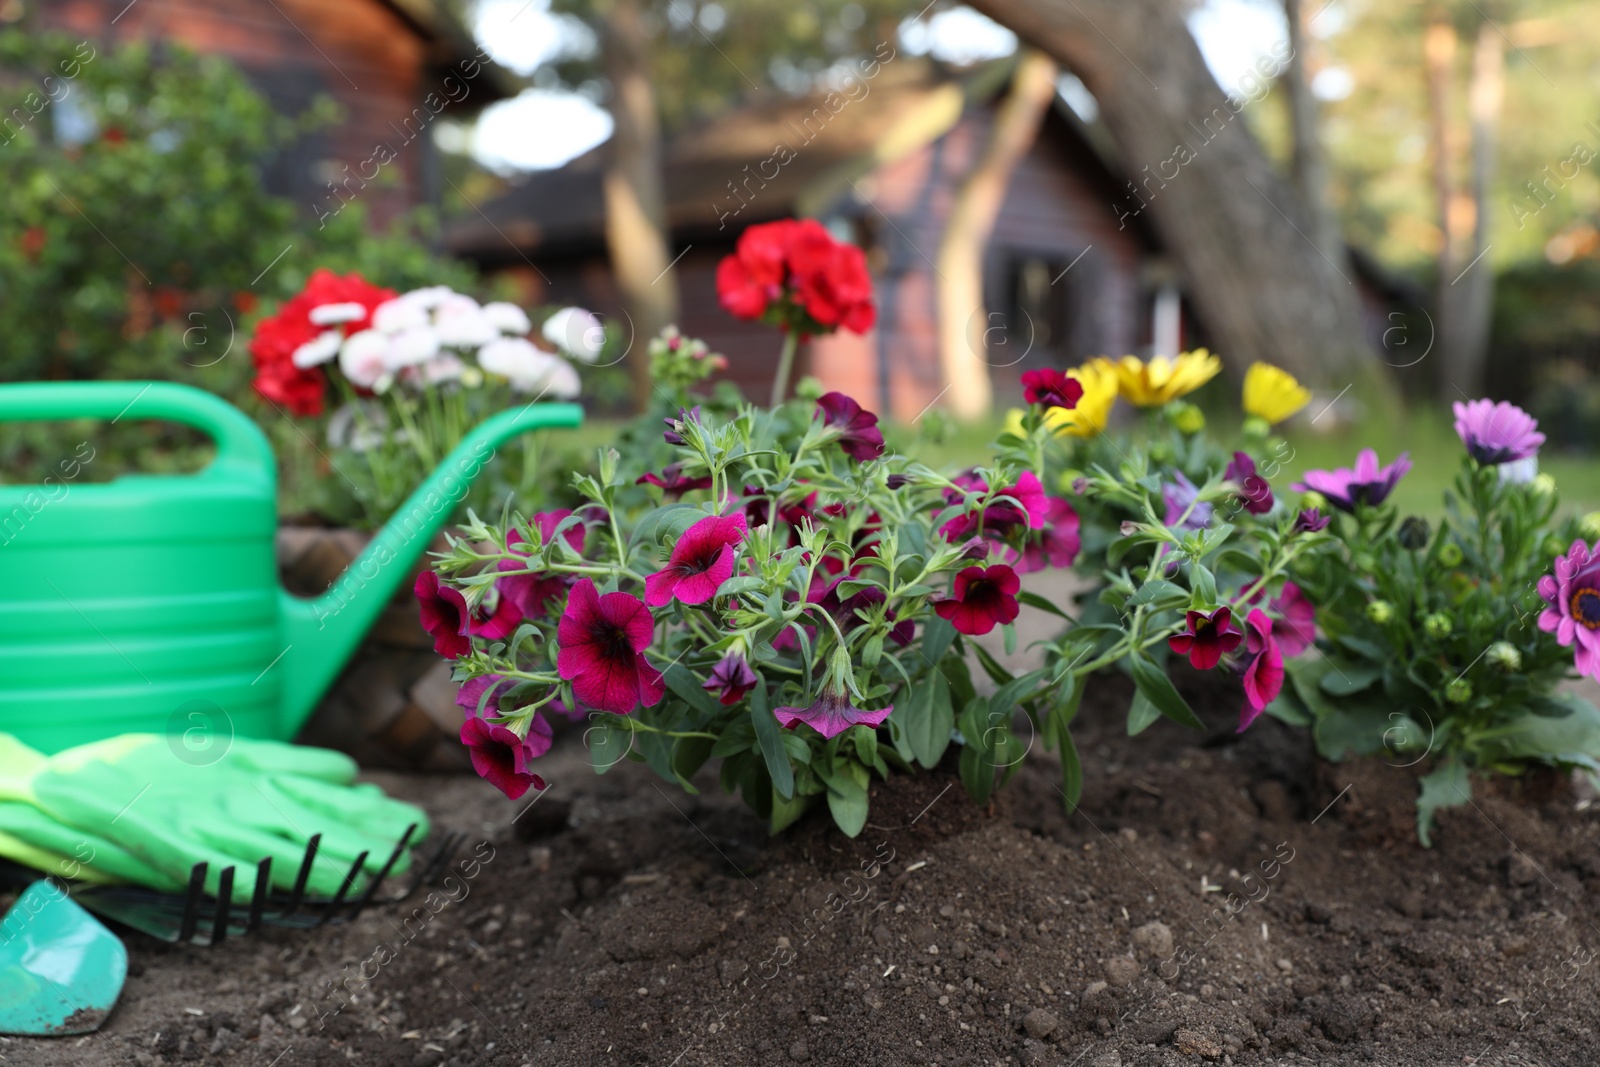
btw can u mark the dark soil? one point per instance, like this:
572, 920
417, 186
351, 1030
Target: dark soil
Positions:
622, 922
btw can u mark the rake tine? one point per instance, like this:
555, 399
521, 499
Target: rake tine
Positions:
219, 921
372, 887
427, 870
300, 879
191, 903
259, 898
344, 887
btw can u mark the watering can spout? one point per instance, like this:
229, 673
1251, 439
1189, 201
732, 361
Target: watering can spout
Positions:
321, 634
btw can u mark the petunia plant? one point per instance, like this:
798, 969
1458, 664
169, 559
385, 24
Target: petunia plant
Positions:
791, 599
1448, 643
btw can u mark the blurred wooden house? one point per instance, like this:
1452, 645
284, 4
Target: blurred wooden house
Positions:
393, 66
1063, 280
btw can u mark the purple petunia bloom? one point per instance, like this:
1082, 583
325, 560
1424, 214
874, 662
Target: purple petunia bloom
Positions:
1311, 521
1366, 483
1180, 496
1254, 493
831, 714
730, 679
1573, 593
1497, 433
859, 435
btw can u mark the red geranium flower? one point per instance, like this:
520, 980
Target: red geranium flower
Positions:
983, 597
501, 757
859, 434
1263, 678
1052, 388
1208, 638
277, 337
731, 679
444, 615
831, 714
603, 639
700, 562
793, 274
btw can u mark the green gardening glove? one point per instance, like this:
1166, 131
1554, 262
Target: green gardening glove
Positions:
258, 799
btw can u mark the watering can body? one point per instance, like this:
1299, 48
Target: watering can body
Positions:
151, 603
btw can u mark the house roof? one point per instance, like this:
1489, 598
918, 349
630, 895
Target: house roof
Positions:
776, 155
450, 44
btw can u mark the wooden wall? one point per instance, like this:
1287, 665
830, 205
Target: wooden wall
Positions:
360, 52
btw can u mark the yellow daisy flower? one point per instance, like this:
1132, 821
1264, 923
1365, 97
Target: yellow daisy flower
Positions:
1271, 393
1162, 379
1099, 380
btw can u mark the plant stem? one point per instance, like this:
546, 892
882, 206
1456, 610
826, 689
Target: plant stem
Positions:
780, 381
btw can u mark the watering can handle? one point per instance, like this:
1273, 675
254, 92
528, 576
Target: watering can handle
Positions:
240, 443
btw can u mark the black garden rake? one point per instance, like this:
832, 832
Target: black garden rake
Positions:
197, 918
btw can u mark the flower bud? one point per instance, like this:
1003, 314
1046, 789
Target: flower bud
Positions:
1380, 611
1450, 554
1256, 426
1589, 525
975, 548
1543, 484
897, 481
1458, 691
1186, 418
1129, 528
1413, 533
1437, 625
1314, 500
1504, 654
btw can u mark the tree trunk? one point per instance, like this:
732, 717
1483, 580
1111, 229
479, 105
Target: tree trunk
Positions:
1466, 281
1308, 166
963, 320
636, 230
1238, 234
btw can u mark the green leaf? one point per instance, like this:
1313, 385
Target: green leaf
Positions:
1345, 731
688, 756
937, 634
1345, 679
865, 740
1141, 714
607, 746
786, 810
1364, 648
1550, 707
1205, 587
1034, 600
1157, 688
847, 801
1290, 709
1156, 591
769, 736
1071, 771
742, 584
977, 772
666, 522
928, 718
991, 666
1446, 786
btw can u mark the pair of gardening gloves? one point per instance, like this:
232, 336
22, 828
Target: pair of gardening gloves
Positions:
129, 809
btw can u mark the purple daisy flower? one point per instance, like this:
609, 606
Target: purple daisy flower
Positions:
1573, 593
1367, 483
1497, 433
1178, 495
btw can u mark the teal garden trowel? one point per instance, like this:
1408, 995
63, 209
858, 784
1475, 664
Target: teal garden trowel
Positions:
61, 971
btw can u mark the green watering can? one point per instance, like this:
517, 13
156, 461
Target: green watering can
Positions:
150, 604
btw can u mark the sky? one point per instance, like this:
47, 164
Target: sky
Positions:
544, 128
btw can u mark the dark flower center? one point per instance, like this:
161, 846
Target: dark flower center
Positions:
613, 643
1586, 607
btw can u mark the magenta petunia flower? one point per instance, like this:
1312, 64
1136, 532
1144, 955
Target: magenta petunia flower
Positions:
731, 679
831, 714
470, 696
1052, 388
860, 437
1366, 483
700, 562
603, 639
501, 757
1208, 638
1311, 521
1573, 593
498, 624
844, 611
1295, 629
1497, 433
533, 594
983, 597
1017, 508
1180, 496
1263, 676
444, 615
1254, 492
1057, 544
672, 482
